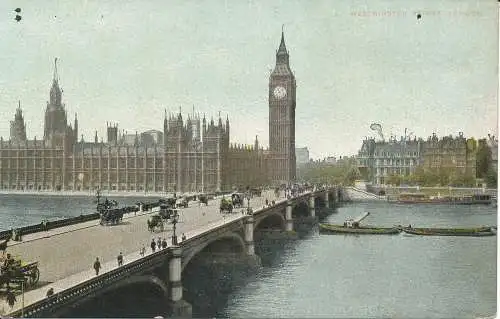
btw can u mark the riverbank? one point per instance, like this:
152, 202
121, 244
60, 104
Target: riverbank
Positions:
90, 193
435, 191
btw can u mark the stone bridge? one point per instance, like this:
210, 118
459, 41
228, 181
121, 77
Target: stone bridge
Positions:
229, 240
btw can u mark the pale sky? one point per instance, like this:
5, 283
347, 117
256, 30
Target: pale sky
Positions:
126, 61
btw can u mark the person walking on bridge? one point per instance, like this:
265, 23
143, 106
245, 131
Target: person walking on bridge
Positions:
97, 266
142, 251
11, 298
164, 243
158, 243
50, 292
153, 245
120, 259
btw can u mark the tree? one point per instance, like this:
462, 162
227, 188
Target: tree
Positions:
491, 178
483, 159
351, 175
393, 179
418, 176
431, 177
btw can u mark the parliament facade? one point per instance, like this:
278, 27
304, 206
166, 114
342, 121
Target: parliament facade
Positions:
191, 154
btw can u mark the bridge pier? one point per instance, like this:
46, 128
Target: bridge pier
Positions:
312, 210
288, 217
252, 258
180, 308
327, 199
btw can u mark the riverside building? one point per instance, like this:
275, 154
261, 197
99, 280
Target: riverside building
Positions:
380, 159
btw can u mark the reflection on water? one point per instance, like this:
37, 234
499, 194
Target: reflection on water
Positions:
380, 276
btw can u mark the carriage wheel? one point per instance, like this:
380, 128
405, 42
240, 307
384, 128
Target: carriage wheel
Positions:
34, 276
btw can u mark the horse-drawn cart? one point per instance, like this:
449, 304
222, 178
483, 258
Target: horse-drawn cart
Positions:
111, 216
226, 205
237, 199
108, 211
203, 199
182, 202
18, 271
156, 222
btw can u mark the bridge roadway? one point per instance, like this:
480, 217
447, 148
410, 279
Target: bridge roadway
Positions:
66, 255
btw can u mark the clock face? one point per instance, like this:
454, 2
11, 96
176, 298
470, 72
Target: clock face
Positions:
279, 92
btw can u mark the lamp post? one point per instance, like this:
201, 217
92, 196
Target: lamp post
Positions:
195, 150
248, 206
202, 168
175, 220
22, 298
21, 281
98, 195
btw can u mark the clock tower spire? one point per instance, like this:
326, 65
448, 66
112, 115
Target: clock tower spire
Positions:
282, 97
282, 54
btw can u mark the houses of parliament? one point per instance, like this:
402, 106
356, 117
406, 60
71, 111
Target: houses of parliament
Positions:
191, 154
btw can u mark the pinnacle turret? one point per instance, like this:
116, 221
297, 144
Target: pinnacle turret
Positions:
55, 91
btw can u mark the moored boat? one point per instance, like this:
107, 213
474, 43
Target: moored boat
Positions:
341, 229
421, 198
473, 231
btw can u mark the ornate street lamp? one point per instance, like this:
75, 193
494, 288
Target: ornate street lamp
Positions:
21, 281
248, 207
175, 220
98, 195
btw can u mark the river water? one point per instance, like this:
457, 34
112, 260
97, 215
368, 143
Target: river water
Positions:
334, 276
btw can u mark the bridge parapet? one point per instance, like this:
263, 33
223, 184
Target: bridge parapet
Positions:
88, 286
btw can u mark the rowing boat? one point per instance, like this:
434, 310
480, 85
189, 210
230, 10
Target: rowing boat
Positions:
475, 232
364, 230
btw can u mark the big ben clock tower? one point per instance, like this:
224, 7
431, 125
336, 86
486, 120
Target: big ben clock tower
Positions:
282, 88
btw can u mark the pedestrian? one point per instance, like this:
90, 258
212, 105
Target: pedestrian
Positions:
158, 243
183, 237
153, 245
50, 292
97, 266
120, 259
11, 298
142, 251
164, 243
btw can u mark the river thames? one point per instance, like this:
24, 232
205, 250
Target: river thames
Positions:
334, 276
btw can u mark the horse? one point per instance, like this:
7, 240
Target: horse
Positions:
4, 279
203, 200
3, 245
154, 223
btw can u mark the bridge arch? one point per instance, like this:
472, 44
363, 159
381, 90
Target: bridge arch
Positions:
271, 221
300, 209
104, 299
319, 201
140, 279
230, 242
